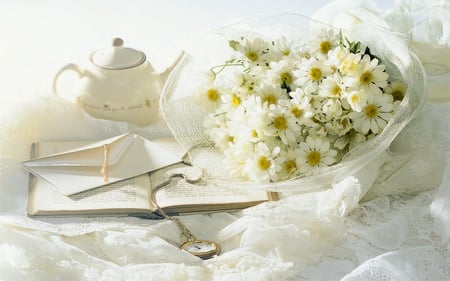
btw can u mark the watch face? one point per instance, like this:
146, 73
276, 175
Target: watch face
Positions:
201, 249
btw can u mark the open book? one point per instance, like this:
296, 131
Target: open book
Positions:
135, 196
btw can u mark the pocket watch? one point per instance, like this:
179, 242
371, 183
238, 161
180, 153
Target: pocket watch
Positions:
201, 248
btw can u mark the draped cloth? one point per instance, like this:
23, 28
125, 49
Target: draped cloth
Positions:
388, 221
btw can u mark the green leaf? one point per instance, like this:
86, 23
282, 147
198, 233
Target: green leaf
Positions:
233, 44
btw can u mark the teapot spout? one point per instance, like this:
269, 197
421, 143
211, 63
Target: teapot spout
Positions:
165, 74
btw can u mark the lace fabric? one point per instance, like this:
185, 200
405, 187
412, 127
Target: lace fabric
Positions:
396, 236
414, 152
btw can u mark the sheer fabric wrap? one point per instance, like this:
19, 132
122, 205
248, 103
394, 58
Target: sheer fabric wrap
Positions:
185, 118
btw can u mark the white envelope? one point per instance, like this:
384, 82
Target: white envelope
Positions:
91, 166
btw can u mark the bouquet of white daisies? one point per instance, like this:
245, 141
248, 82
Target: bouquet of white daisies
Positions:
304, 109
278, 109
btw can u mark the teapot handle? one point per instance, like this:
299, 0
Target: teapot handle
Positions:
68, 67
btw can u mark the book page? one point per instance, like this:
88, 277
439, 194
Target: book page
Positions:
203, 192
128, 194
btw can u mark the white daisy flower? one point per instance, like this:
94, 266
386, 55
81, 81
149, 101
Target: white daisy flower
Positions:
331, 86
370, 77
313, 154
248, 82
281, 49
376, 112
288, 165
247, 132
254, 50
252, 120
280, 73
232, 99
310, 73
322, 42
282, 125
264, 164
350, 66
300, 107
356, 99
236, 156
208, 97
336, 58
397, 90
270, 94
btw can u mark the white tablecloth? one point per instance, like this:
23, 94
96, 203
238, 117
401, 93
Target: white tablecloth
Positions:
397, 237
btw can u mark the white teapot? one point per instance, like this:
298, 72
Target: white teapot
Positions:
118, 84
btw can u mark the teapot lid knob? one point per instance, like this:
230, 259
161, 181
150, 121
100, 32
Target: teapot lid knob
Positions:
117, 57
117, 42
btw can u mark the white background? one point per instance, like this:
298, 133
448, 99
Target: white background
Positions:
40, 36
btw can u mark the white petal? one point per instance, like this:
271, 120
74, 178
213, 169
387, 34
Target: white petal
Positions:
365, 127
385, 116
381, 123
374, 127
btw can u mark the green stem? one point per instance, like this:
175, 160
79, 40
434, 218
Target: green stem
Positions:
223, 66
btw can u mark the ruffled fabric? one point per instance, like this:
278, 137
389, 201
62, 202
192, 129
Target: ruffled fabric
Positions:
388, 221
425, 24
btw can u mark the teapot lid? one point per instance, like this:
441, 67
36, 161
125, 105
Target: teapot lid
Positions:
117, 57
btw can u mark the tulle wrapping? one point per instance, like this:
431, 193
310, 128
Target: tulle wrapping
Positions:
185, 118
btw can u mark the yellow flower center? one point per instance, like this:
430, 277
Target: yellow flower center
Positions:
344, 121
252, 55
315, 74
314, 158
297, 112
286, 52
371, 111
324, 47
290, 166
212, 95
354, 98
366, 77
280, 123
398, 95
235, 100
254, 134
230, 139
286, 78
336, 91
263, 163
270, 99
